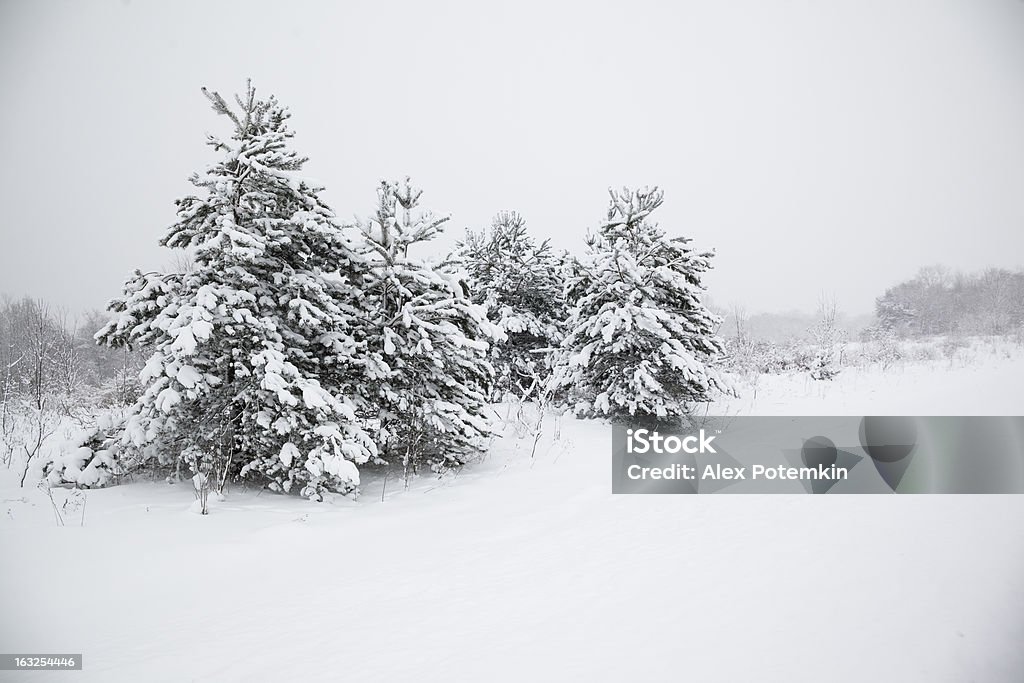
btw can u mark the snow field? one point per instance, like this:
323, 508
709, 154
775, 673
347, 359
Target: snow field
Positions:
523, 568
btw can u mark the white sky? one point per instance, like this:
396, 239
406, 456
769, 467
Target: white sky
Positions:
819, 147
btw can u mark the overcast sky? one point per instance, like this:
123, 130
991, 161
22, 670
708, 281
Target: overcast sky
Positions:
818, 147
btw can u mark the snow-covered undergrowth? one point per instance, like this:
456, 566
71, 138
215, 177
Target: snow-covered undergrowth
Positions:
525, 567
981, 376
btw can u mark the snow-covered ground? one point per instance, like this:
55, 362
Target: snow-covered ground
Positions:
523, 568
984, 378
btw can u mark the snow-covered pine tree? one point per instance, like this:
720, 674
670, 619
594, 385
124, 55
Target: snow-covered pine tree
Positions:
518, 281
640, 341
430, 342
254, 349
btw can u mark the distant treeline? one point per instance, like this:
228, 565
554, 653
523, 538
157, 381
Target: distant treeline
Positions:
51, 360
786, 326
940, 301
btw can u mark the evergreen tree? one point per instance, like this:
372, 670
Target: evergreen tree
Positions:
254, 350
518, 281
640, 340
429, 345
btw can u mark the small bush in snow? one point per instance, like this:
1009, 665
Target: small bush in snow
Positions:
90, 458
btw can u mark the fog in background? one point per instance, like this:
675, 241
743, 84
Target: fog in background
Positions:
820, 148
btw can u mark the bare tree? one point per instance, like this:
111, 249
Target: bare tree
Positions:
39, 339
183, 262
66, 361
43, 425
739, 317
9, 362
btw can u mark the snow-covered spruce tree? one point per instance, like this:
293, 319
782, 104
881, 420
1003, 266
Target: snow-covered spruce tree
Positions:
640, 340
430, 342
254, 348
518, 281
